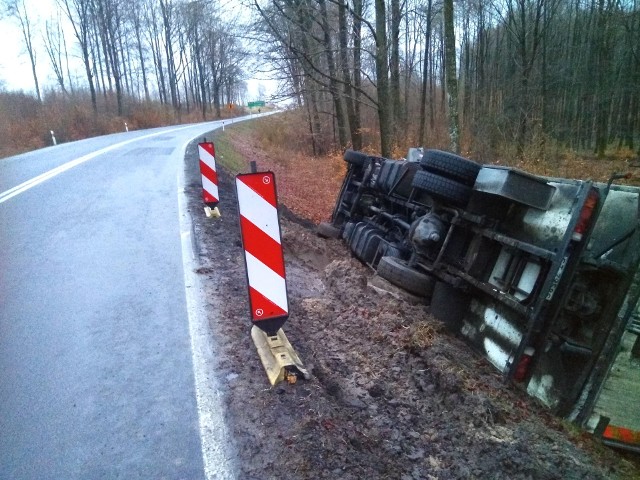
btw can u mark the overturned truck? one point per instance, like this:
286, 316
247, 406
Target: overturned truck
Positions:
538, 274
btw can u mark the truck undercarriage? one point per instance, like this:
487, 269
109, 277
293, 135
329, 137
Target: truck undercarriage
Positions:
538, 274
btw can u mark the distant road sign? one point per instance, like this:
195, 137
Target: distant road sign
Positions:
259, 103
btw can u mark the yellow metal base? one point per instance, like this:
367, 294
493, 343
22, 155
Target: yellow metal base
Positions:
280, 360
212, 213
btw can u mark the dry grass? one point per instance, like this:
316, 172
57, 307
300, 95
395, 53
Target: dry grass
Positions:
284, 141
25, 123
307, 185
569, 164
287, 135
423, 334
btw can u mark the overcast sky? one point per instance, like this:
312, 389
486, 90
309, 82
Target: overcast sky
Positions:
15, 67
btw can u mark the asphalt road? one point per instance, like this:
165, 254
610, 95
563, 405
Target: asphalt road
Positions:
99, 376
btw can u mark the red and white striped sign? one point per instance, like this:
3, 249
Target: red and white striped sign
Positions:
260, 228
209, 174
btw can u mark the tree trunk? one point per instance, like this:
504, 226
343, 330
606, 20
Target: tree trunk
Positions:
382, 79
394, 66
358, 7
354, 122
333, 83
425, 77
166, 9
19, 11
145, 84
602, 96
450, 72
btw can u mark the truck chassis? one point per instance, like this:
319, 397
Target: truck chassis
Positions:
538, 274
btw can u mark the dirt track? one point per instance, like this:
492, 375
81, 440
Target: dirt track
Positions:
392, 395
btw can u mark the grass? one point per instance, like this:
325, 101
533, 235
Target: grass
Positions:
307, 185
227, 154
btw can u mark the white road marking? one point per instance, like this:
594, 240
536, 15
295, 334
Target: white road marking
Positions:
24, 186
213, 430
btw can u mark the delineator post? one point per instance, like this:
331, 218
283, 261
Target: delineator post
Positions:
264, 259
209, 175
266, 277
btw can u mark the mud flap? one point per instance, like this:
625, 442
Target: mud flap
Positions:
279, 359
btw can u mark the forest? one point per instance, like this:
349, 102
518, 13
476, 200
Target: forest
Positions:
488, 78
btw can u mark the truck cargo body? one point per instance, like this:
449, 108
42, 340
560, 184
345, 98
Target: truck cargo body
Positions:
538, 274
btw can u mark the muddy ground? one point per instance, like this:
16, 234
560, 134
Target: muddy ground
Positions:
392, 394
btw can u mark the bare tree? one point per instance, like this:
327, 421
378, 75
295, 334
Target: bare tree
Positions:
167, 15
136, 15
18, 10
333, 78
526, 26
358, 9
394, 67
154, 39
54, 44
425, 73
451, 75
348, 90
194, 13
382, 80
79, 14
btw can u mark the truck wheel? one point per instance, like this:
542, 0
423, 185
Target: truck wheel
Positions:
399, 273
383, 175
449, 305
451, 166
394, 174
356, 158
326, 230
348, 230
442, 188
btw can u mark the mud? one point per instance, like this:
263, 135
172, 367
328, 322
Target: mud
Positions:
392, 394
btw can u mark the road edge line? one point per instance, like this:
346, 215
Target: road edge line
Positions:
213, 430
54, 172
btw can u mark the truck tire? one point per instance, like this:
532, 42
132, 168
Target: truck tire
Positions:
442, 188
348, 230
389, 173
394, 175
383, 175
449, 305
355, 158
402, 183
364, 241
451, 166
398, 272
327, 230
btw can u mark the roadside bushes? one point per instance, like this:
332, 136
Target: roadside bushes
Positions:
19, 114
26, 123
